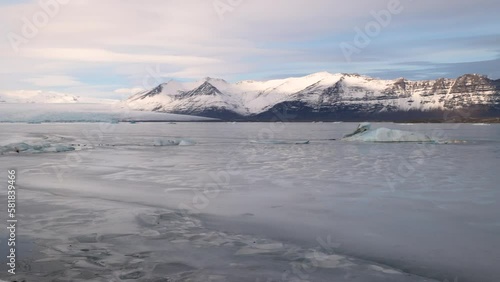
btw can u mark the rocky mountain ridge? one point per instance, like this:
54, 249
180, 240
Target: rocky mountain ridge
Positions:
324, 96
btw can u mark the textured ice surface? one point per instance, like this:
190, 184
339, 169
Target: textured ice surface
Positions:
230, 210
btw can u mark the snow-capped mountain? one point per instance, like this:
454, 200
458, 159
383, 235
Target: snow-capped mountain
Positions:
320, 96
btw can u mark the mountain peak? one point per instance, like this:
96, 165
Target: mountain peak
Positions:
321, 73
206, 89
357, 75
212, 79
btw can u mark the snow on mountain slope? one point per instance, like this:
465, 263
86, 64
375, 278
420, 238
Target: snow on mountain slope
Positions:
174, 96
318, 92
245, 97
268, 93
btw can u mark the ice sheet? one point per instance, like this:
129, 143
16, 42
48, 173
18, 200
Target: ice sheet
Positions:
229, 210
76, 112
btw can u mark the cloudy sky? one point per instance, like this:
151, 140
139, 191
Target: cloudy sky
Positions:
111, 48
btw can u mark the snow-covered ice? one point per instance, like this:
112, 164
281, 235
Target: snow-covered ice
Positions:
227, 209
77, 112
365, 133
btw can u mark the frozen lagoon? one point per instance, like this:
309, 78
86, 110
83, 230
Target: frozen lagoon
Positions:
121, 208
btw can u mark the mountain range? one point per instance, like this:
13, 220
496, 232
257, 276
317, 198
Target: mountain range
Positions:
326, 96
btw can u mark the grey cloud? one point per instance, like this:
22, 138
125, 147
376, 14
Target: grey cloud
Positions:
258, 37
431, 70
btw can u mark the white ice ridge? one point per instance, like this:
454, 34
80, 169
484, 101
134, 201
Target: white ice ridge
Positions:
364, 133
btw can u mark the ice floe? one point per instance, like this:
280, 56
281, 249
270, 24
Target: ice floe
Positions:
274, 142
365, 133
173, 142
22, 147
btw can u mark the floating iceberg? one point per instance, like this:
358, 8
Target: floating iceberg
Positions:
364, 133
270, 141
34, 148
173, 142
